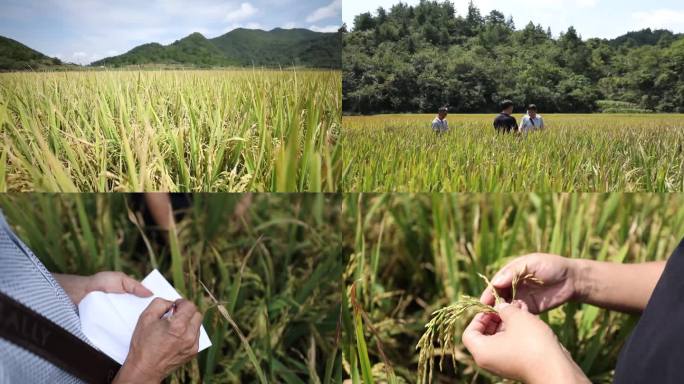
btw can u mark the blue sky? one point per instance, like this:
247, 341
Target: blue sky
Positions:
591, 18
83, 31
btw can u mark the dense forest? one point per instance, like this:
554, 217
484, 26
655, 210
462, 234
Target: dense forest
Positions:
418, 58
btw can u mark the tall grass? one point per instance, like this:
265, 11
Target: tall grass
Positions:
275, 270
585, 153
238, 130
412, 254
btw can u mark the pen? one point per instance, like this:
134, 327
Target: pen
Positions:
170, 312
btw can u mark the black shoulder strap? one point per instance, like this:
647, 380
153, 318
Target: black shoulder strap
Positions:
27, 329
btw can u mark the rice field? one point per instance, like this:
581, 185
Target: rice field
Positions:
271, 260
409, 255
585, 153
184, 131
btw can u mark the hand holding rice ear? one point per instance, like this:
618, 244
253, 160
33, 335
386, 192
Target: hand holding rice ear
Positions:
516, 344
561, 283
443, 325
505, 339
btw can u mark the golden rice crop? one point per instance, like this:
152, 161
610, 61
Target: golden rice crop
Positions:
221, 130
589, 153
410, 256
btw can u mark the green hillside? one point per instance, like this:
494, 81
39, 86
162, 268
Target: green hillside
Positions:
16, 56
395, 61
241, 47
192, 50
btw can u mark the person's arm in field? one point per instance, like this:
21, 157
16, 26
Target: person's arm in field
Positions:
77, 287
159, 345
622, 287
160, 208
515, 344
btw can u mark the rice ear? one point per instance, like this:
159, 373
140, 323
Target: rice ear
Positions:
442, 326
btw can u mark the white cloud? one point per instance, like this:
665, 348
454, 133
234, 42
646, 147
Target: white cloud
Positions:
331, 10
659, 18
78, 57
253, 26
110, 28
327, 28
586, 3
555, 5
245, 11
204, 31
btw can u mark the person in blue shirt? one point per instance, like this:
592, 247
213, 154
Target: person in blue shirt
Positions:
440, 124
532, 121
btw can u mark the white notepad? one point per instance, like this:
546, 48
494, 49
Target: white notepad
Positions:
109, 319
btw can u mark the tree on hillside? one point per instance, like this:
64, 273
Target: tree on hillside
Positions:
416, 58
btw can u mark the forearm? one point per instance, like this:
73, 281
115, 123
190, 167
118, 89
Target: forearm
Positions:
568, 374
75, 286
622, 287
558, 368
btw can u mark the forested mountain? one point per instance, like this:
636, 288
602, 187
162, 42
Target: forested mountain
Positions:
15, 56
241, 47
417, 58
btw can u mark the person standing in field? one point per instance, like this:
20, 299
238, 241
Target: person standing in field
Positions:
504, 122
440, 124
516, 344
532, 121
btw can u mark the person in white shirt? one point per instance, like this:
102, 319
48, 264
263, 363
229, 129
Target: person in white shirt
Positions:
439, 124
532, 121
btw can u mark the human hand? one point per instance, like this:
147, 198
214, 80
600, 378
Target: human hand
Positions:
160, 345
116, 282
77, 287
516, 344
558, 274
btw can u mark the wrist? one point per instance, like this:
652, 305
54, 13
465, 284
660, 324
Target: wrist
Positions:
131, 373
560, 369
76, 287
582, 275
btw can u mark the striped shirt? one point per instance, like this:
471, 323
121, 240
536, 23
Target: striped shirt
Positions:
24, 278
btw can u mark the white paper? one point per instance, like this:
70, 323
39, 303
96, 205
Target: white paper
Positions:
109, 319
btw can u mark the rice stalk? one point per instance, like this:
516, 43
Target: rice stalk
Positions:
444, 326
577, 152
